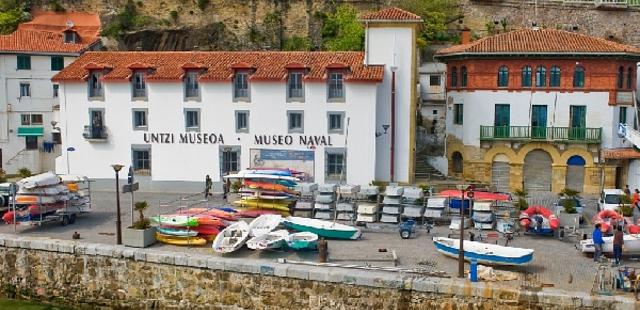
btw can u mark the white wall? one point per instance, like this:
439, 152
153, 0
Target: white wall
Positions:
191, 162
40, 102
392, 46
479, 109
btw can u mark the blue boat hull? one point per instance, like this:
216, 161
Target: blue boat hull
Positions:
484, 258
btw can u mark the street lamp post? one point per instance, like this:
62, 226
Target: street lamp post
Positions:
117, 168
468, 190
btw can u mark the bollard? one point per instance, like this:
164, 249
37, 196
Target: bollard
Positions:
323, 250
473, 270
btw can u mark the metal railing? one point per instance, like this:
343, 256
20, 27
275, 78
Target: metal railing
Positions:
95, 132
606, 2
533, 133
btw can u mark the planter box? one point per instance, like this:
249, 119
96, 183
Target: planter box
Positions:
139, 238
569, 220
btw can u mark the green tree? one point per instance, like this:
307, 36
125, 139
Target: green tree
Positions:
341, 31
12, 13
437, 14
297, 43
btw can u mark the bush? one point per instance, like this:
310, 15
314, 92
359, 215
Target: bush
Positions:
569, 193
56, 6
128, 19
521, 203
626, 210
24, 172
142, 222
3, 176
203, 4
569, 206
297, 43
174, 15
235, 186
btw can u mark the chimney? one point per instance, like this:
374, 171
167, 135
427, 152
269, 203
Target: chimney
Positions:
465, 35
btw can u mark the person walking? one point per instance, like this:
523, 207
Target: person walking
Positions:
597, 243
618, 242
207, 186
627, 191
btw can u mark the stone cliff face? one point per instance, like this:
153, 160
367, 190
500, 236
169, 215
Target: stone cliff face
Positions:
267, 24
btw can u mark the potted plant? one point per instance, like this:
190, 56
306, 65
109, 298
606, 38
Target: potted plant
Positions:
626, 209
567, 211
141, 234
521, 194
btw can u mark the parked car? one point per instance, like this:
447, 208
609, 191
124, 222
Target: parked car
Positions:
610, 199
4, 195
559, 205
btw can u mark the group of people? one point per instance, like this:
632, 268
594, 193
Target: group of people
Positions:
598, 243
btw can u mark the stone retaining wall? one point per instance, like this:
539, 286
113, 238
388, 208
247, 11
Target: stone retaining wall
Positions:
115, 276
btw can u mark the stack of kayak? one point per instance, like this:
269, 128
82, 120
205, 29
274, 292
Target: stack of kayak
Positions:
38, 196
265, 191
194, 226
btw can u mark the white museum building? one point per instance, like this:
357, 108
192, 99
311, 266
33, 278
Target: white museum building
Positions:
178, 116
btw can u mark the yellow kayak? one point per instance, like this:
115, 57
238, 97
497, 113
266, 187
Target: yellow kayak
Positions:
197, 241
262, 204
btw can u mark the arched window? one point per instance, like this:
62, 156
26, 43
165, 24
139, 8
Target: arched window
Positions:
620, 82
630, 78
454, 77
526, 76
541, 76
503, 76
578, 76
554, 80
456, 157
463, 76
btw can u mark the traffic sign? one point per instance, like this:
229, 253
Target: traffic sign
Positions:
470, 195
130, 176
128, 188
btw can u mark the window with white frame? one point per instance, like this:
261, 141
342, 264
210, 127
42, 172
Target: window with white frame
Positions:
25, 89
335, 164
242, 121
295, 87
138, 85
191, 87
192, 119
295, 121
30, 119
241, 86
141, 160
336, 86
70, 37
95, 84
335, 122
140, 121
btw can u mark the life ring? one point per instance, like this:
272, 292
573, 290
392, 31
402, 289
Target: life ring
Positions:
533, 213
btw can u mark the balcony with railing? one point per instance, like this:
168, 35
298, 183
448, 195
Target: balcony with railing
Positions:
543, 134
95, 133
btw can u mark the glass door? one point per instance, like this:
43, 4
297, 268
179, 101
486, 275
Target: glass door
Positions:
539, 122
501, 121
578, 122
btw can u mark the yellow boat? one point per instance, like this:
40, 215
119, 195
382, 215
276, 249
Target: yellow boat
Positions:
197, 241
263, 204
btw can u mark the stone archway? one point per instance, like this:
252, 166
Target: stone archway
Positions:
500, 172
575, 173
537, 171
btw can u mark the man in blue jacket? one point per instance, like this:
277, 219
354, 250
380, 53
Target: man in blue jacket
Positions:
597, 243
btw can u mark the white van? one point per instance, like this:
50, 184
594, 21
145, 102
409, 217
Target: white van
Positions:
610, 199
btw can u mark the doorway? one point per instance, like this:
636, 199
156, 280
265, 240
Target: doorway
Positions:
578, 120
502, 121
537, 171
539, 122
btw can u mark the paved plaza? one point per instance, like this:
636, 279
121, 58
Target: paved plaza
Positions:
556, 262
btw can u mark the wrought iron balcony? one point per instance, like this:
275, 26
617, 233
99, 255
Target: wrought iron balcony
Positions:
95, 133
550, 134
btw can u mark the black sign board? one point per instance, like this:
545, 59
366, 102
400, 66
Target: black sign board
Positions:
127, 188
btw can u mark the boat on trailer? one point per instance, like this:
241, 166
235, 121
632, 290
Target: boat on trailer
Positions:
485, 253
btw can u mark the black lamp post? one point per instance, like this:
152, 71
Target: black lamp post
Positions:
117, 168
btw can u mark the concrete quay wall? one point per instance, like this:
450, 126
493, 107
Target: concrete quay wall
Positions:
100, 275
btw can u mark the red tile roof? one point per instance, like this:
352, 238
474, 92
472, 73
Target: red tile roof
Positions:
541, 41
28, 41
218, 66
391, 14
621, 153
87, 25
44, 33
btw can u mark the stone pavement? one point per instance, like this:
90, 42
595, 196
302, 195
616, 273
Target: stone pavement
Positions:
555, 262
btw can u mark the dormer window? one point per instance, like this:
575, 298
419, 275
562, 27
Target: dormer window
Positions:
241, 85
191, 86
138, 85
70, 36
95, 84
336, 86
295, 87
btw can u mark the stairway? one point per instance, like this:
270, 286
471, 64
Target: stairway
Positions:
424, 171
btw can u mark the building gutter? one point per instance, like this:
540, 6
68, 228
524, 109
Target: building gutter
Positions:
393, 125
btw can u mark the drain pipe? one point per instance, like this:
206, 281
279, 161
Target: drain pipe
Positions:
393, 123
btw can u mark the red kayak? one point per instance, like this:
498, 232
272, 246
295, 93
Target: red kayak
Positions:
606, 219
205, 212
256, 212
539, 218
32, 213
267, 186
452, 193
206, 229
